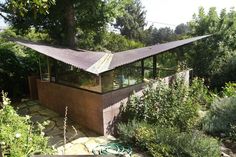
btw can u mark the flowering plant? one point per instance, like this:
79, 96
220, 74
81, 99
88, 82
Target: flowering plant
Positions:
18, 137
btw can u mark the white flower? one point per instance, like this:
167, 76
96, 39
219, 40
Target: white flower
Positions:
2, 143
27, 117
42, 133
18, 135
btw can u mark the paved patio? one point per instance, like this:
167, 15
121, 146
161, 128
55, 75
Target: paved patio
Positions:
79, 140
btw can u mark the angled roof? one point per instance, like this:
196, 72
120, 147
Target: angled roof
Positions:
99, 62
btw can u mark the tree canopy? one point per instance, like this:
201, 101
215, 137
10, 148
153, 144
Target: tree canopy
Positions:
132, 23
60, 19
182, 29
214, 58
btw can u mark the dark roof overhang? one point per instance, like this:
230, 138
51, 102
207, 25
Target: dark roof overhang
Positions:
100, 62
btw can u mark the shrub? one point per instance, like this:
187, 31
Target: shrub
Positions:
196, 144
16, 63
221, 116
176, 105
229, 90
18, 137
127, 131
201, 94
167, 142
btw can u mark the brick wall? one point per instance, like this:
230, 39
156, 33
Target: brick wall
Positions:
84, 107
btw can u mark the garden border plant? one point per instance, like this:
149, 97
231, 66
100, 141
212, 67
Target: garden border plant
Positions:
18, 135
164, 120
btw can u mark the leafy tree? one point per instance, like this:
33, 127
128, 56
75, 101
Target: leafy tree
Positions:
214, 57
63, 17
152, 35
181, 29
132, 23
21, 6
163, 35
118, 43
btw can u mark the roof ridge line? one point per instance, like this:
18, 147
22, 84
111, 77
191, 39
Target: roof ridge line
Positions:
102, 64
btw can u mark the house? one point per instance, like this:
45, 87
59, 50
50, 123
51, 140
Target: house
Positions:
93, 84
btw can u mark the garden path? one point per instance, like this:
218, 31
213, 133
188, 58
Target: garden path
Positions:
79, 141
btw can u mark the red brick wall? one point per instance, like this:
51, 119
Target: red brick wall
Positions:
84, 107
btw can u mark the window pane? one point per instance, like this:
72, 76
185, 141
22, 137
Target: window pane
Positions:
135, 75
69, 75
148, 68
43, 68
167, 64
122, 77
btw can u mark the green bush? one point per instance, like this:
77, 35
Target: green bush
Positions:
229, 89
117, 42
196, 144
16, 63
18, 137
221, 116
127, 131
176, 105
167, 142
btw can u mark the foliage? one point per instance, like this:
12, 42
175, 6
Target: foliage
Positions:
116, 43
214, 58
163, 142
229, 89
201, 94
132, 23
127, 131
221, 116
31, 35
22, 7
106, 41
181, 29
152, 35
18, 136
163, 35
16, 63
173, 105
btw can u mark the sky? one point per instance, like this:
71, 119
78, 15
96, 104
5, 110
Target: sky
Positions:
174, 12
162, 13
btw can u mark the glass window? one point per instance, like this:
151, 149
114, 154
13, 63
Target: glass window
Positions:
122, 77
167, 64
69, 75
44, 68
135, 74
148, 68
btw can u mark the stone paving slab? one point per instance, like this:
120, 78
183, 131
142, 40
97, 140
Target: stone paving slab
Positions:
80, 141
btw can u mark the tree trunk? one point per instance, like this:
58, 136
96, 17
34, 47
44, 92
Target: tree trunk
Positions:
70, 25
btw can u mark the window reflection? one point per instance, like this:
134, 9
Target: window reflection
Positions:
148, 68
122, 77
44, 68
69, 75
